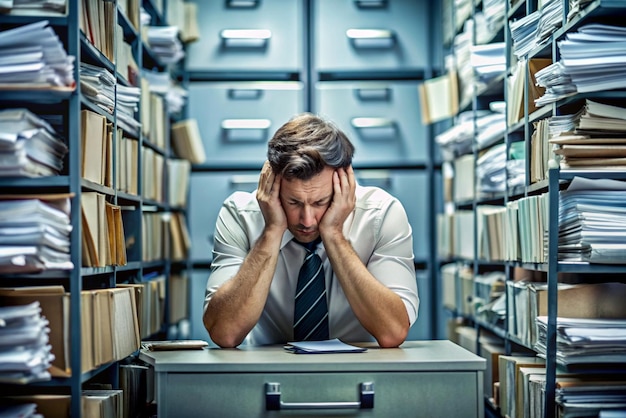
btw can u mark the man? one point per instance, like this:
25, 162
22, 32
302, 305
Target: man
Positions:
308, 197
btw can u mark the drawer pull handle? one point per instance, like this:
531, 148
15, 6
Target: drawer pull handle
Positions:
370, 4
229, 124
273, 402
371, 38
244, 182
364, 123
245, 38
243, 4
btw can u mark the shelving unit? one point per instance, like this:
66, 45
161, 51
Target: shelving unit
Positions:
133, 204
556, 179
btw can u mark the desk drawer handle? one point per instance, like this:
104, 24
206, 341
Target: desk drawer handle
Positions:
273, 402
365, 123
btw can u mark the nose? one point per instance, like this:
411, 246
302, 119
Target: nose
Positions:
306, 216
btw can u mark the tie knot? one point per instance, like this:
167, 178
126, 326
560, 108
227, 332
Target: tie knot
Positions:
310, 246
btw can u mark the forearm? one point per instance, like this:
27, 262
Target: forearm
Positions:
381, 311
237, 305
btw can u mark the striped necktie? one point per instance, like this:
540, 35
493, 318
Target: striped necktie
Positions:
310, 319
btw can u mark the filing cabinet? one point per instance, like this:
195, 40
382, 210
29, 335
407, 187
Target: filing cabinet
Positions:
247, 36
236, 119
371, 35
381, 118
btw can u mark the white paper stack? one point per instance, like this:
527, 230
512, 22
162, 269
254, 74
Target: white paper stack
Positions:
164, 42
592, 59
592, 221
25, 352
29, 146
33, 57
99, 86
585, 341
34, 235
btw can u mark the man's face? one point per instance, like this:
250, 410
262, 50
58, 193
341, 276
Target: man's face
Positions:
305, 202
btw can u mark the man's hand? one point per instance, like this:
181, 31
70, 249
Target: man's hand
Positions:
344, 200
269, 200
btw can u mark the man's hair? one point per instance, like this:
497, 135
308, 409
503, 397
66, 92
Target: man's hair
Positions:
307, 143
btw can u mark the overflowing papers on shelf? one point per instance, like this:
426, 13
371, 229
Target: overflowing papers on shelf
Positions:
585, 341
33, 57
25, 352
34, 233
592, 221
29, 146
322, 347
592, 59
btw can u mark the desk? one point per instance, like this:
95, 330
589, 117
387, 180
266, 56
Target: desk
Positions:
419, 379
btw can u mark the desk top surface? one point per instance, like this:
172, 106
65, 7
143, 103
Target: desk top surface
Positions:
412, 356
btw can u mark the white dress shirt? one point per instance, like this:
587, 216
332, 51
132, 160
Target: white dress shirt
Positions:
379, 232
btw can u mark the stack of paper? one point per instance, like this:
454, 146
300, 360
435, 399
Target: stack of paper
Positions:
579, 396
29, 146
592, 221
164, 42
459, 138
494, 11
595, 57
488, 61
33, 7
575, 7
162, 83
595, 137
592, 59
25, 352
550, 20
585, 341
33, 57
34, 233
523, 33
322, 347
491, 171
98, 86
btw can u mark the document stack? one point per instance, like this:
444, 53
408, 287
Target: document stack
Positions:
164, 42
98, 85
25, 352
533, 29
592, 221
587, 345
488, 62
29, 146
597, 140
33, 7
161, 83
34, 234
592, 59
33, 57
586, 341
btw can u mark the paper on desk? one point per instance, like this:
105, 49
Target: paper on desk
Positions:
322, 347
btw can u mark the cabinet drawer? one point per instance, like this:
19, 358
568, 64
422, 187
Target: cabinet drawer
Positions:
396, 394
237, 119
207, 193
371, 35
381, 119
248, 36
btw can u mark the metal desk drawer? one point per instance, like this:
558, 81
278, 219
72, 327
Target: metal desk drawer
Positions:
248, 36
422, 378
237, 119
394, 36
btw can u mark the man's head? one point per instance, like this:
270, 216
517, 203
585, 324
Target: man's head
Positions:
305, 152
305, 145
